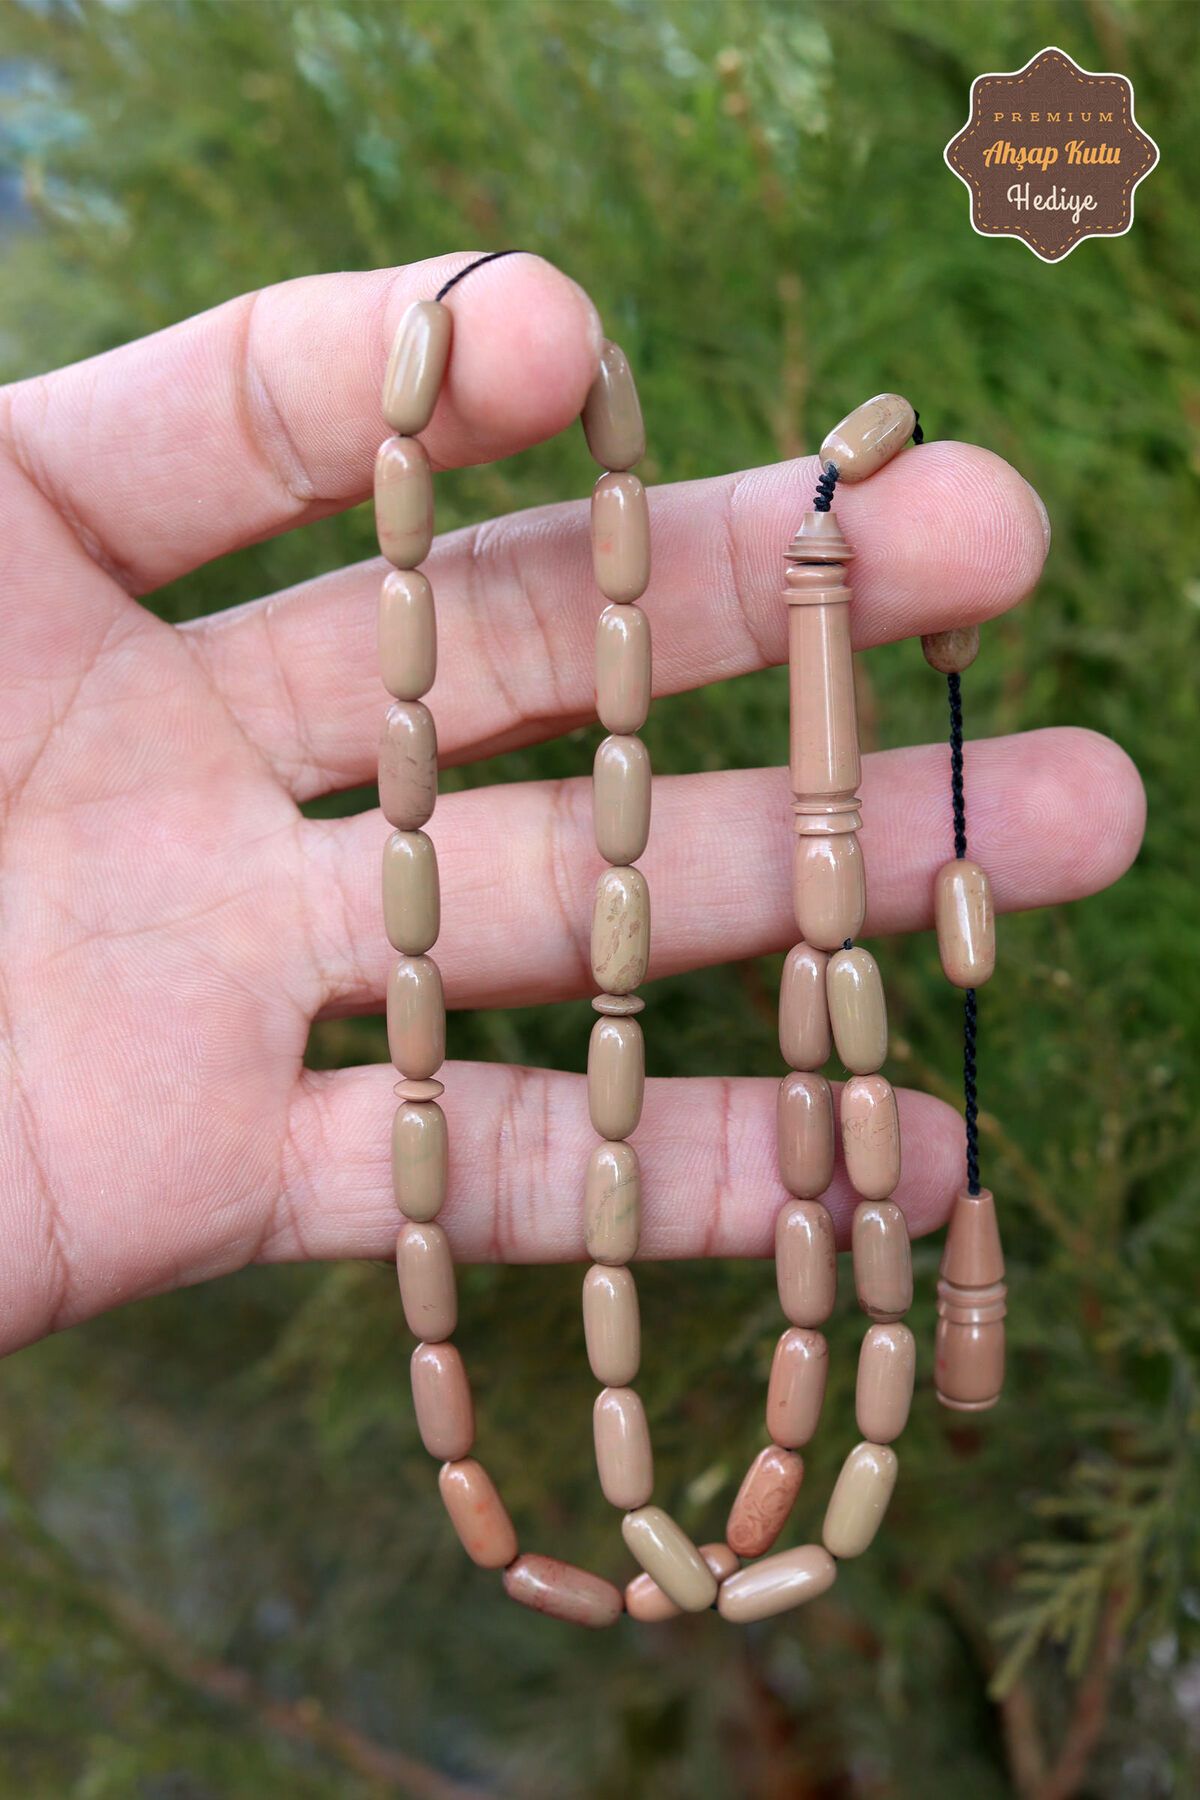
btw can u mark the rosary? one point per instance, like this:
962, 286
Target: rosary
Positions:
831, 997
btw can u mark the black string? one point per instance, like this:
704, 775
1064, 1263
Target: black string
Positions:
826, 482
970, 1010
492, 256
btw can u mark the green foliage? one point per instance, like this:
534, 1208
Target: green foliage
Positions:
228, 1481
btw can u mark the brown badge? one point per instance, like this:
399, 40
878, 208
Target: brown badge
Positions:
1051, 154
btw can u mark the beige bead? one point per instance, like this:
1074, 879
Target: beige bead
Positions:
796, 1390
403, 501
829, 889
805, 1039
419, 1159
620, 537
804, 1124
419, 1090
416, 366
478, 1514
613, 1203
950, 652
412, 895
562, 1591
886, 1367
618, 1006
969, 1349
882, 1260
806, 1262
871, 1136
408, 765
416, 1017
621, 798
442, 1400
616, 1076
764, 1500
869, 436
612, 414
857, 1010
624, 1459
776, 1585
859, 1499
966, 923
612, 1325
623, 668
620, 930
407, 634
670, 1558
427, 1291
645, 1600
825, 762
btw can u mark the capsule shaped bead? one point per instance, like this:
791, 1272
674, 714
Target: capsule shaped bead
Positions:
403, 501
645, 1600
777, 1584
561, 1591
408, 765
871, 1136
623, 668
624, 1459
950, 652
621, 798
805, 1038
416, 1017
670, 1558
620, 930
419, 1159
477, 1513
416, 366
427, 1291
882, 1254
966, 923
612, 413
620, 537
804, 1124
613, 1203
442, 1401
412, 894
612, 1325
806, 1262
407, 634
869, 436
616, 1076
859, 1500
886, 1367
796, 1390
764, 1500
857, 1010
829, 889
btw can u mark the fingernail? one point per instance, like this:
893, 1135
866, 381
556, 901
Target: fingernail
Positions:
1042, 513
594, 327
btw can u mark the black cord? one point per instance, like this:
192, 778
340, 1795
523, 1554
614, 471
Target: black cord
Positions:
970, 1007
826, 482
492, 256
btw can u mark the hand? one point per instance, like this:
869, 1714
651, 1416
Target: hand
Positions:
170, 924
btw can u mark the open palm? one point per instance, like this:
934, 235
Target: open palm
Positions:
170, 924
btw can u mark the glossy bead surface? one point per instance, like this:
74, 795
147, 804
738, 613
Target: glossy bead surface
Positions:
623, 668
883, 1395
427, 1290
966, 923
620, 930
804, 1126
416, 366
408, 765
829, 889
419, 1159
670, 1558
416, 1017
616, 1076
950, 652
612, 413
407, 634
796, 1390
859, 1500
412, 894
969, 1348
871, 1136
561, 1591
612, 1325
613, 1203
764, 1500
857, 1010
806, 1262
882, 1255
403, 501
620, 537
624, 1459
776, 1584
477, 1513
442, 1401
869, 437
805, 1037
645, 1600
621, 798
618, 1006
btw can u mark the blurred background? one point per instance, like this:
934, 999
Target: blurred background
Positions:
223, 1567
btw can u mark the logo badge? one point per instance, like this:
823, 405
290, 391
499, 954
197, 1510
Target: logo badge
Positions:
1051, 154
